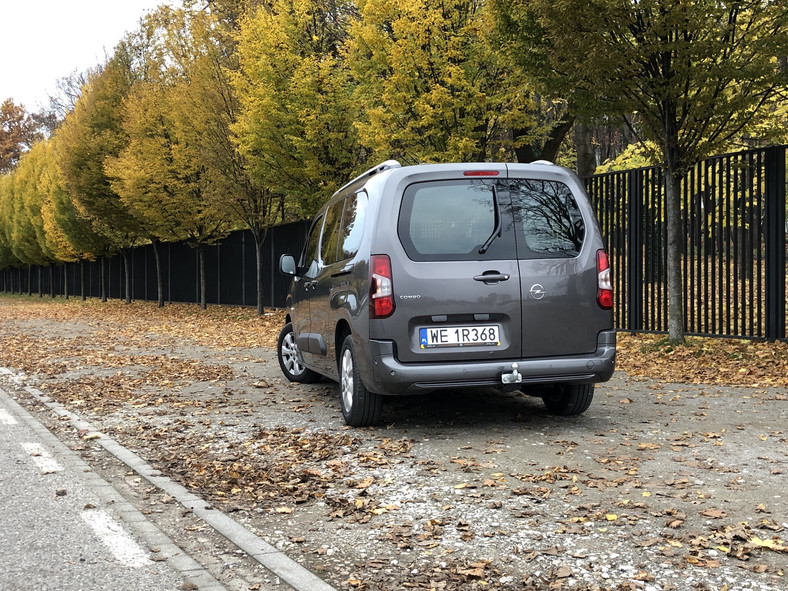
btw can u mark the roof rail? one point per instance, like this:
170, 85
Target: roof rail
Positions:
543, 162
387, 165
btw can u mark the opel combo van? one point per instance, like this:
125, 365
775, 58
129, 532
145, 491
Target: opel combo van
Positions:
419, 278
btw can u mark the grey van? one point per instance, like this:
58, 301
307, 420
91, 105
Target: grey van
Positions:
418, 278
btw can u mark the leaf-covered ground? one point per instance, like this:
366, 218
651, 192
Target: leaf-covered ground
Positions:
672, 480
732, 362
729, 362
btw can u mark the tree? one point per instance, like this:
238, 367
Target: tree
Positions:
167, 174
436, 86
297, 122
159, 175
18, 133
69, 89
22, 214
211, 63
90, 134
7, 256
69, 236
694, 73
232, 187
30, 199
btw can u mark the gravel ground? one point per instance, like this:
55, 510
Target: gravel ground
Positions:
657, 486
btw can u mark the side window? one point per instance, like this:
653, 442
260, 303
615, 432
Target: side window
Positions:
328, 248
454, 220
309, 260
353, 224
549, 221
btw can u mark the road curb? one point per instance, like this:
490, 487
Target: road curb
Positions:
287, 569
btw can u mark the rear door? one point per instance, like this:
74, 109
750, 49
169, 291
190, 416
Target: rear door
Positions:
456, 289
558, 278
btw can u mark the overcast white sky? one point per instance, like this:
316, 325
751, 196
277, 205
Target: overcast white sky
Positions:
44, 40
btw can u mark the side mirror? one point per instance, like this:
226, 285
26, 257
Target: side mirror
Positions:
287, 265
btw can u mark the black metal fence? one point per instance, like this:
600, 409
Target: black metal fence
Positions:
230, 272
734, 257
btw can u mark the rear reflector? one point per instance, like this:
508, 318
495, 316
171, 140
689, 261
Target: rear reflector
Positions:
480, 173
604, 294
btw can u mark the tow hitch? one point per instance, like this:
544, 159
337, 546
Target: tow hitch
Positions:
515, 377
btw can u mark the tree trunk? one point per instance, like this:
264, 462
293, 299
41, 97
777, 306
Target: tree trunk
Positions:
159, 282
675, 249
65, 280
586, 159
52, 281
549, 150
103, 278
201, 258
258, 248
82, 279
30, 281
127, 273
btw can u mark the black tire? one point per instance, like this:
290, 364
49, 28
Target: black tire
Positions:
360, 407
290, 358
569, 400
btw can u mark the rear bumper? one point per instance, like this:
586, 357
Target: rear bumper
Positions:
392, 377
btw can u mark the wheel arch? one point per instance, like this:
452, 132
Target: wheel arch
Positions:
340, 334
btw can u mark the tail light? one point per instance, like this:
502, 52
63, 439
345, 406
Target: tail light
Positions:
381, 287
604, 294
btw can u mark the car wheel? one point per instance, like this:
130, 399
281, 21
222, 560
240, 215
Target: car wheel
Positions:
569, 400
290, 358
360, 407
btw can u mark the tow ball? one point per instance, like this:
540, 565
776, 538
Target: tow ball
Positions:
515, 377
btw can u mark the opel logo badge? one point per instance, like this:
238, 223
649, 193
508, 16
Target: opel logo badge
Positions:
537, 291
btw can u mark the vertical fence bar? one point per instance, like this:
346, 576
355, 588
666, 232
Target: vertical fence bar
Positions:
720, 246
686, 188
775, 243
634, 266
243, 268
689, 251
730, 301
759, 249
618, 209
752, 226
662, 228
219, 273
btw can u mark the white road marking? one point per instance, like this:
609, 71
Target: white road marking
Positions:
16, 378
6, 418
119, 542
42, 458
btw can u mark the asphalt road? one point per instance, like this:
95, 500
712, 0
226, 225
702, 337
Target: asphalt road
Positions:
60, 524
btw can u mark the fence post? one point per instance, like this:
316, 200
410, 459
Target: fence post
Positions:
635, 254
775, 242
274, 268
243, 268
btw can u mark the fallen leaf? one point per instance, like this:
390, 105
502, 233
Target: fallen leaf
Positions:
714, 513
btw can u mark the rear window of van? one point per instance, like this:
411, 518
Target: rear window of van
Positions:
474, 219
453, 220
548, 220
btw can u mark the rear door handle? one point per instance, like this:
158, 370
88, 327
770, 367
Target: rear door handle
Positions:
492, 277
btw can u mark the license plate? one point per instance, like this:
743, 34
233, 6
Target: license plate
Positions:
459, 336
